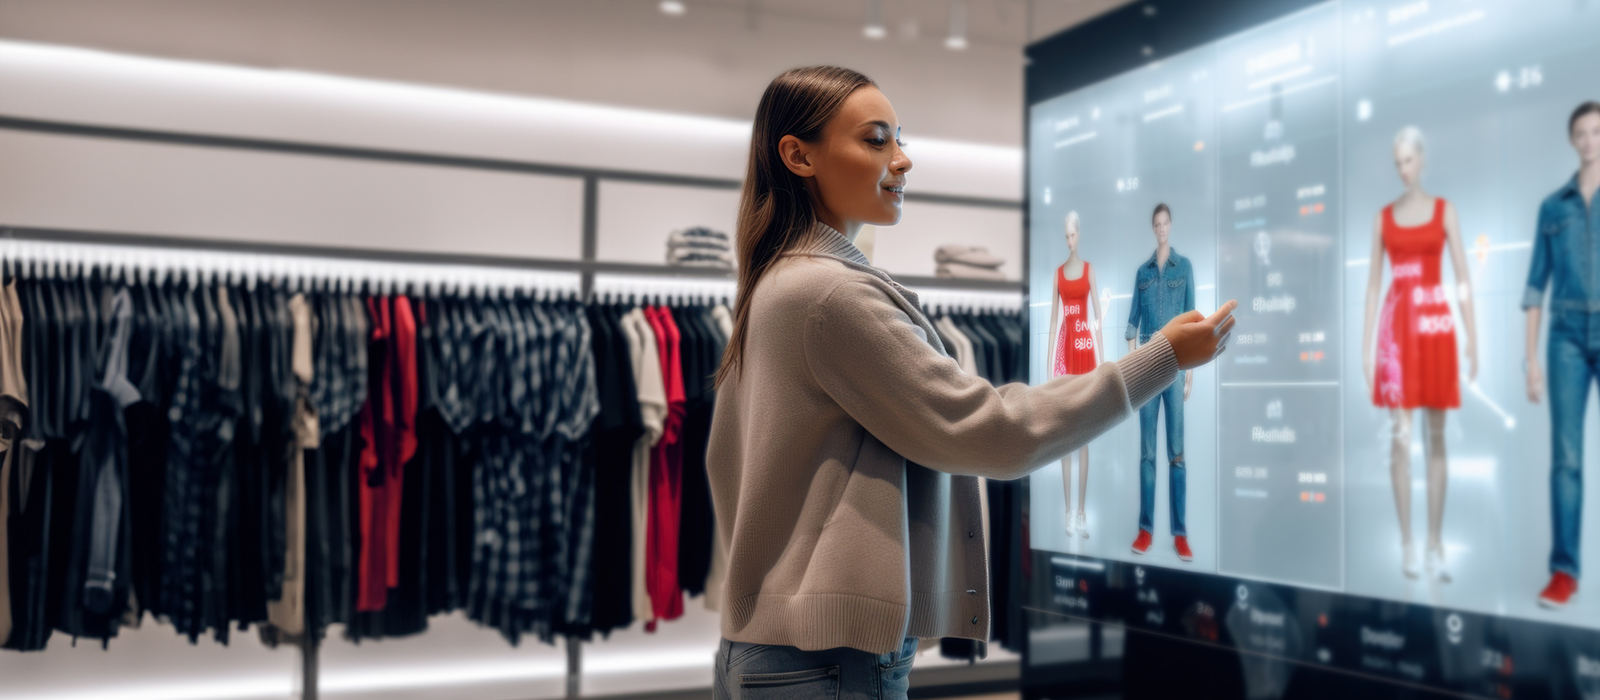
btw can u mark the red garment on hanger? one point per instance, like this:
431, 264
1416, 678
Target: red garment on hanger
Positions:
377, 420
666, 477
403, 384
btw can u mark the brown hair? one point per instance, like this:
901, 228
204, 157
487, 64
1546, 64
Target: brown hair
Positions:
1583, 110
1160, 208
776, 213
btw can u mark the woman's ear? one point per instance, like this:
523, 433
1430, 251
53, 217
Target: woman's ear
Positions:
796, 156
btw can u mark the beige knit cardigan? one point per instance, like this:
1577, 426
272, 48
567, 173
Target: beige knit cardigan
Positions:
844, 458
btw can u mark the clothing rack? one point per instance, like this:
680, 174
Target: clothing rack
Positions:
936, 300
42, 253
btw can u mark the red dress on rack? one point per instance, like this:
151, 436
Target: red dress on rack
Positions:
1075, 352
1416, 354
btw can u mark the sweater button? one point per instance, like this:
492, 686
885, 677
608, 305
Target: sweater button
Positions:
971, 534
974, 619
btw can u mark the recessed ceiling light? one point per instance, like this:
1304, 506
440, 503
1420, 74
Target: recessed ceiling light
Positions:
957, 41
875, 28
672, 7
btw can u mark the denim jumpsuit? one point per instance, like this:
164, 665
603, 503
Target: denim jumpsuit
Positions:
1159, 295
1566, 255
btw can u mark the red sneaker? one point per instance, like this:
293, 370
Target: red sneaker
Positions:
1142, 545
1181, 544
1560, 591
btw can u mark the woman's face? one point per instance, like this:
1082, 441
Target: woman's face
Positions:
1408, 161
1072, 238
858, 166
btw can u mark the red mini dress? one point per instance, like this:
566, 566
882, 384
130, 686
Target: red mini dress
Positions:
1416, 354
1075, 343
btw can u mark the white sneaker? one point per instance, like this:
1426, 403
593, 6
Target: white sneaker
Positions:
1070, 533
1436, 567
1083, 524
1409, 562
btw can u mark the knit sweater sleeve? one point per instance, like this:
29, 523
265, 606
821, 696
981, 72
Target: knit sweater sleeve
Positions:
871, 359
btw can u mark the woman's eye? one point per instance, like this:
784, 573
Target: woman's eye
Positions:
900, 143
877, 142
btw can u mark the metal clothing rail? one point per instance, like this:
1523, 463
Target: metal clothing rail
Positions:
587, 268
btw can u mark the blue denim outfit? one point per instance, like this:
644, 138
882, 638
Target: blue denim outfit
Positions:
1566, 248
1160, 294
771, 672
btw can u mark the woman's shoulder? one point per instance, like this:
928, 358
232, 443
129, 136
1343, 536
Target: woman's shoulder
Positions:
806, 282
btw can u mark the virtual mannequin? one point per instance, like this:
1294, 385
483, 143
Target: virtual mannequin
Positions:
1414, 362
1076, 351
1163, 288
1563, 244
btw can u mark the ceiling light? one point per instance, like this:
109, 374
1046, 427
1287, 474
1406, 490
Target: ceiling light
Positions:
874, 28
957, 41
672, 7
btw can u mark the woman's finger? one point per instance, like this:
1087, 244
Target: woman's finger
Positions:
1223, 313
1227, 326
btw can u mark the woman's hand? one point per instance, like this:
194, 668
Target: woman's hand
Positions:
1197, 340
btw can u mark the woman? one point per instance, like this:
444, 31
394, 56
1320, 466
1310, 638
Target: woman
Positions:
841, 553
1414, 362
1077, 351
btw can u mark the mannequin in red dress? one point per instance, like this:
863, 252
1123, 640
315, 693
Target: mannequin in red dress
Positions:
1413, 362
1075, 349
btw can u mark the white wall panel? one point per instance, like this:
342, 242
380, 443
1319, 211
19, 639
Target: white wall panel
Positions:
635, 218
94, 87
907, 248
109, 185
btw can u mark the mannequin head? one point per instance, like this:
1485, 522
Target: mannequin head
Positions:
1161, 223
1584, 129
1072, 232
1408, 157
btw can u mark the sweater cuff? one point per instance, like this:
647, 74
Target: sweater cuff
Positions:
1148, 370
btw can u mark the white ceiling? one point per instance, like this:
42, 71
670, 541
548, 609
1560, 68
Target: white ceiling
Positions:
713, 60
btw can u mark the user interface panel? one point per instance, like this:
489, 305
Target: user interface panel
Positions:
1378, 184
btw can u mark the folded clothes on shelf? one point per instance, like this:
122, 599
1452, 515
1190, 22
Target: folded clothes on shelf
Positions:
975, 256
967, 262
954, 270
697, 257
700, 247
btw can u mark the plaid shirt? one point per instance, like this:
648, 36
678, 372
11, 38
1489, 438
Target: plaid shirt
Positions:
533, 502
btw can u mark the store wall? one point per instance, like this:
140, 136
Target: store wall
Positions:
94, 183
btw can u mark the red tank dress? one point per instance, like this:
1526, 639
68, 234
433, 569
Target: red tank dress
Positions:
1075, 343
1416, 354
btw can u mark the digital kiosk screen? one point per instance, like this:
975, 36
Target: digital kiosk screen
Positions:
1383, 475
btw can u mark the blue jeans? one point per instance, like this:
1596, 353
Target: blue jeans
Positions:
1172, 396
1574, 364
771, 672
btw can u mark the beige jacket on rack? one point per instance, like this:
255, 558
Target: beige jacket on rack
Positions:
653, 409
835, 535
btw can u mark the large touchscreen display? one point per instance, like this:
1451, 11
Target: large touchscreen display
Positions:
1388, 190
